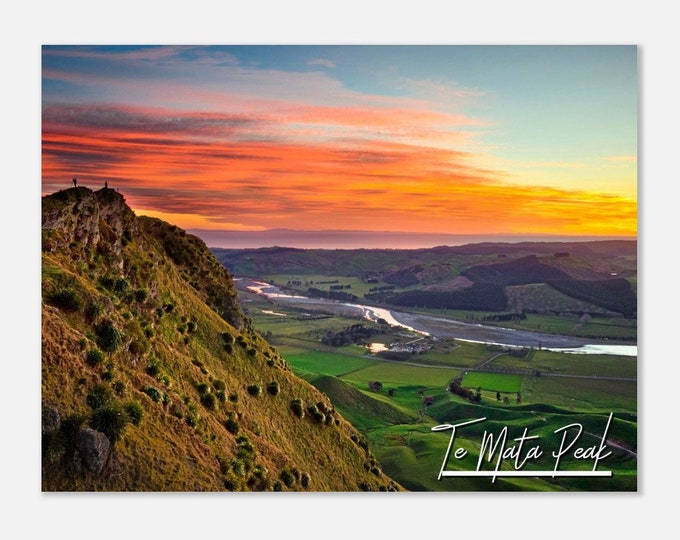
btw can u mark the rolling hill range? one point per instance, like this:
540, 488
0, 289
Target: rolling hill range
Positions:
153, 379
594, 277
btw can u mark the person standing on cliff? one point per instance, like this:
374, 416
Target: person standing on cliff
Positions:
75, 182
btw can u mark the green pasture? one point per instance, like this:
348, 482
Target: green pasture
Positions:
357, 286
398, 425
567, 325
581, 394
323, 363
414, 454
493, 382
397, 373
602, 365
612, 328
459, 354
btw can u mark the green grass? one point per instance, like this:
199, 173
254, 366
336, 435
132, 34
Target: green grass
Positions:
495, 382
581, 394
357, 286
398, 424
365, 410
413, 455
323, 363
602, 365
392, 373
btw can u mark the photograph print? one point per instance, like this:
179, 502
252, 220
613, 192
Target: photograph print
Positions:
339, 268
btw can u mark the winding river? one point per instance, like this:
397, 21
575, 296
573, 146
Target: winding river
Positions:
439, 327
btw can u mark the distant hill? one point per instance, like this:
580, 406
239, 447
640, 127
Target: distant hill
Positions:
597, 258
599, 277
154, 380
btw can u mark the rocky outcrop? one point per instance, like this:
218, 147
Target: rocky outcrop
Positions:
92, 448
87, 221
50, 419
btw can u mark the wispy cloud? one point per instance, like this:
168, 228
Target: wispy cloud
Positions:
321, 62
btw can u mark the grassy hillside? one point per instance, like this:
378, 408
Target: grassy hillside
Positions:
154, 380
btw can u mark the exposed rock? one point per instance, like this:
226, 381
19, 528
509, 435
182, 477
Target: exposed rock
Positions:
93, 449
50, 419
88, 220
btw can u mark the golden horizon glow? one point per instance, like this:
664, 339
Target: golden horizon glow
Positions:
266, 148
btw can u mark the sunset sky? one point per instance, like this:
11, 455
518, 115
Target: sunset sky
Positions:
460, 140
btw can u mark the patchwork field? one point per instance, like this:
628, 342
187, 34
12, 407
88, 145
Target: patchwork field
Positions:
396, 401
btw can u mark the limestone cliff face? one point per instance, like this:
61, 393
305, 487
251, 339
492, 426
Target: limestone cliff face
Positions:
82, 220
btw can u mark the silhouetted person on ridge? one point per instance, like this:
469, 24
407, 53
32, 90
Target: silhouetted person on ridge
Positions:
106, 184
75, 182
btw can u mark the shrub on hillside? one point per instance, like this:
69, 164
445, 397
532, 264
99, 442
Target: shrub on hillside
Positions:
153, 393
316, 413
209, 401
111, 420
100, 396
94, 357
273, 388
297, 406
135, 412
93, 311
66, 299
109, 337
287, 477
231, 424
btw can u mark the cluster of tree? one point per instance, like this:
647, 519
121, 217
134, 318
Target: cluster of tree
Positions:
479, 296
405, 277
506, 399
396, 355
382, 288
340, 287
332, 295
376, 296
375, 386
356, 333
455, 387
505, 317
517, 352
521, 271
615, 294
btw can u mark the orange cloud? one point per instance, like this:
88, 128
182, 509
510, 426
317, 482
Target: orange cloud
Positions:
222, 170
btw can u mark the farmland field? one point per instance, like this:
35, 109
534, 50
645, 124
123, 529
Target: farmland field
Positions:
396, 400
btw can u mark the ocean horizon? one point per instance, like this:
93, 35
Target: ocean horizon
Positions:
357, 239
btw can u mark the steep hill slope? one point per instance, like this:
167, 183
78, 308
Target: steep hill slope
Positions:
152, 378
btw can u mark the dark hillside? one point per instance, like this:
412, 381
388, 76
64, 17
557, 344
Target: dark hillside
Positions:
580, 260
608, 247
154, 380
517, 272
614, 294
